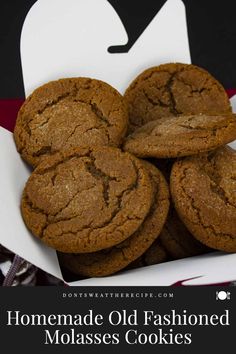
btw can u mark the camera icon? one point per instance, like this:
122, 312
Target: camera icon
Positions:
222, 295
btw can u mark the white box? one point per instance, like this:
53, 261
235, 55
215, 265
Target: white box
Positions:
48, 52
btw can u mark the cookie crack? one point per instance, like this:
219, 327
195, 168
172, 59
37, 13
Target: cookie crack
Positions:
198, 213
133, 86
221, 193
54, 216
100, 114
49, 215
56, 164
214, 185
100, 127
211, 131
95, 109
73, 93
154, 103
169, 86
32, 207
102, 177
132, 187
56, 101
72, 133
45, 150
41, 111
199, 91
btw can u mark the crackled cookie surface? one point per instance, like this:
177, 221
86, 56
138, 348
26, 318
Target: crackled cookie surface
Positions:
175, 238
182, 136
204, 192
112, 260
84, 200
174, 89
69, 113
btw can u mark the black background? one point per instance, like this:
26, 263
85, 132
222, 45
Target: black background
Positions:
196, 300
211, 28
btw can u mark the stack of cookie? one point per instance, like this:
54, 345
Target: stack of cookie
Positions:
91, 196
181, 118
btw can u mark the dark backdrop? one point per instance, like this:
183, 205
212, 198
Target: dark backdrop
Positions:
211, 28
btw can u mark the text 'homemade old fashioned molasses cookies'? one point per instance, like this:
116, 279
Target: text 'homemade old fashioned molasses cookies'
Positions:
174, 89
204, 192
182, 136
69, 113
109, 261
84, 200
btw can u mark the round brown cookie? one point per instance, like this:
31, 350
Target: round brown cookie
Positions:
69, 113
155, 254
181, 136
177, 239
204, 192
84, 200
109, 261
174, 89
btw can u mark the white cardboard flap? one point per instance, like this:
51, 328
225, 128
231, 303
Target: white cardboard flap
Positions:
13, 232
212, 268
66, 38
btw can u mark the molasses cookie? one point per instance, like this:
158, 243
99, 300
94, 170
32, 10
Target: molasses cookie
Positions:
84, 200
204, 192
177, 239
154, 255
182, 135
109, 261
171, 90
69, 113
